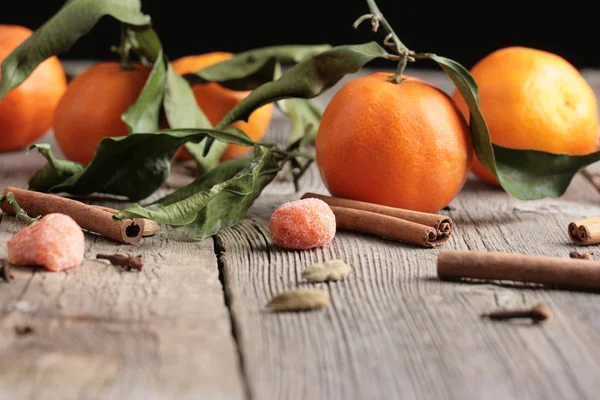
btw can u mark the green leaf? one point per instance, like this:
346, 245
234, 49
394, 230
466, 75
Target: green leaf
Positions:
305, 118
182, 111
224, 171
305, 80
181, 108
74, 20
135, 166
524, 174
144, 114
252, 68
54, 172
532, 175
213, 203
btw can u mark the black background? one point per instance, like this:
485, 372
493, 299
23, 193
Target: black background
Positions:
464, 31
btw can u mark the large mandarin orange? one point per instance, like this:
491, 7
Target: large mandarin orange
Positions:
216, 101
402, 145
92, 106
26, 111
533, 99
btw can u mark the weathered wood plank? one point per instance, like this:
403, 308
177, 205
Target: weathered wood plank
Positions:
393, 329
100, 332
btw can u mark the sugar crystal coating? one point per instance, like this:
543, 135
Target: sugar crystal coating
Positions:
55, 242
302, 224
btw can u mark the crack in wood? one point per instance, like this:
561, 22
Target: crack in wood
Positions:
235, 328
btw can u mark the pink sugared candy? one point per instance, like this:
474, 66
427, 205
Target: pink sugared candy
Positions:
302, 224
55, 242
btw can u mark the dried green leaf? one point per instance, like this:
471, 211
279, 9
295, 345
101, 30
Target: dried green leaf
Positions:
216, 200
135, 166
252, 68
299, 300
74, 20
524, 174
331, 270
54, 172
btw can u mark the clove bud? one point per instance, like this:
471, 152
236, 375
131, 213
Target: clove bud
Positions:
537, 314
585, 256
126, 262
22, 330
5, 272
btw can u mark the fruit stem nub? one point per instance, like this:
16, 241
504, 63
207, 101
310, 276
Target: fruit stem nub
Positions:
123, 49
391, 40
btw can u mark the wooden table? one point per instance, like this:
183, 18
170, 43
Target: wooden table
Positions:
192, 324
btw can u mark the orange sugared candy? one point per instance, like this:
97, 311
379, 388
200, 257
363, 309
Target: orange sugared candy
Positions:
55, 242
302, 224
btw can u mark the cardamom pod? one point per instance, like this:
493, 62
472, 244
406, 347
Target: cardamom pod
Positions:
299, 300
331, 270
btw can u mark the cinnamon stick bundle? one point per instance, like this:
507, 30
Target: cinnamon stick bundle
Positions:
424, 229
565, 272
585, 231
89, 217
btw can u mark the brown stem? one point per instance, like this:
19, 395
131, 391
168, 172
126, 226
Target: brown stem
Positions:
392, 40
123, 49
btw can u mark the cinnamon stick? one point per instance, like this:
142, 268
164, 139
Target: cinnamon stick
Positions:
424, 229
585, 231
87, 216
150, 227
564, 272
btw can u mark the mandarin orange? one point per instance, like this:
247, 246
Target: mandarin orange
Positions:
533, 99
26, 111
402, 145
92, 106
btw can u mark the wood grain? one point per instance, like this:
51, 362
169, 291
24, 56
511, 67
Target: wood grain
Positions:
101, 332
393, 329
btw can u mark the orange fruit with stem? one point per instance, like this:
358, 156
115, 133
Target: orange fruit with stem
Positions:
91, 108
26, 111
401, 144
216, 101
533, 99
